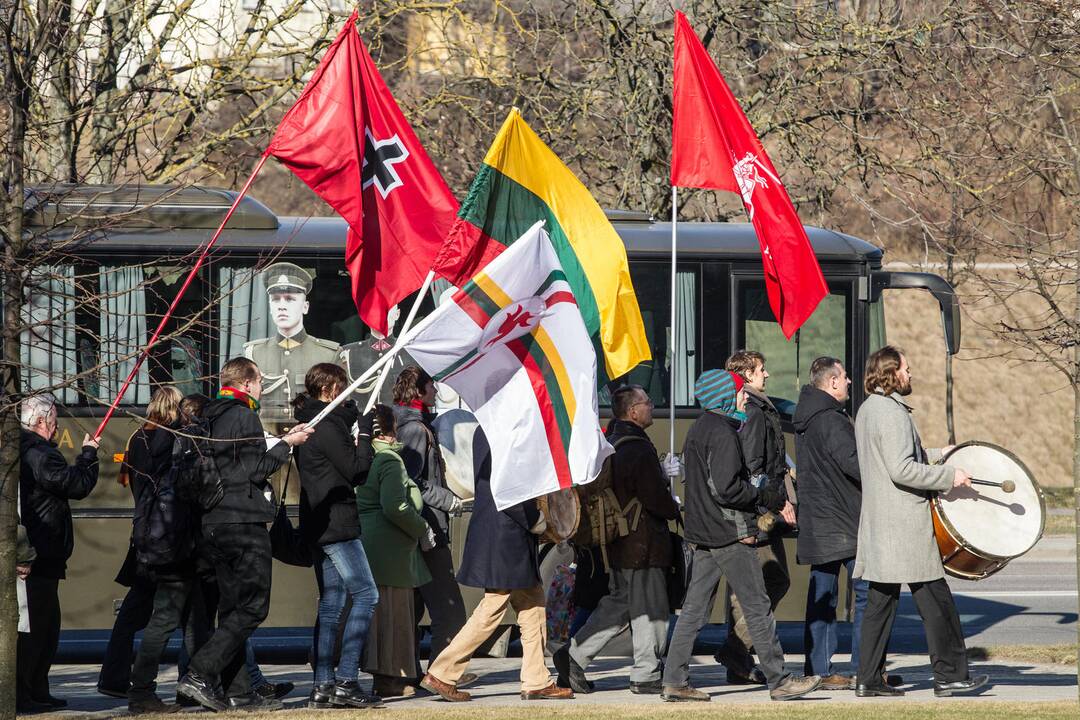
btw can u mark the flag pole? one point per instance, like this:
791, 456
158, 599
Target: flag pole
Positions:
404, 329
674, 318
144, 353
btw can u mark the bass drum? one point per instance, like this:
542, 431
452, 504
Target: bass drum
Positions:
456, 430
562, 511
979, 529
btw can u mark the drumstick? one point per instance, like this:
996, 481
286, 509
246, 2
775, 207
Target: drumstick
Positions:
1006, 485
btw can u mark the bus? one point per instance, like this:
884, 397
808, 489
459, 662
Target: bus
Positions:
93, 308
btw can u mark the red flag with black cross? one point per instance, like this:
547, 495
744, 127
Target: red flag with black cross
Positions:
714, 146
348, 140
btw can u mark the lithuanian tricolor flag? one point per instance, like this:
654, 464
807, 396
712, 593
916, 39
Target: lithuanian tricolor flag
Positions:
513, 345
521, 182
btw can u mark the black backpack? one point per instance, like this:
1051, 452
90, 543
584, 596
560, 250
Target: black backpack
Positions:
194, 471
163, 526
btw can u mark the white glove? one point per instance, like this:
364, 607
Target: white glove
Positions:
671, 465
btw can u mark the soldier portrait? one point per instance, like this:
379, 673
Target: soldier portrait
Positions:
285, 358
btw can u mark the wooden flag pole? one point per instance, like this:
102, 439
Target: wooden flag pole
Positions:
144, 353
674, 318
404, 329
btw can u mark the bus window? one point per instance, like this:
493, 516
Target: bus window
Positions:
47, 346
788, 362
652, 284
878, 338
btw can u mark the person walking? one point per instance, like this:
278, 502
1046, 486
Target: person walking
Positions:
392, 530
235, 539
830, 500
332, 465
46, 485
898, 483
721, 507
639, 561
501, 556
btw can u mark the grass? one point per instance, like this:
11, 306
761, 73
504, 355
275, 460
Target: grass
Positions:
1058, 497
882, 710
1064, 654
1060, 524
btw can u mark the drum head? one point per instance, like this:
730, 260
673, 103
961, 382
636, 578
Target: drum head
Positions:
456, 429
561, 511
988, 519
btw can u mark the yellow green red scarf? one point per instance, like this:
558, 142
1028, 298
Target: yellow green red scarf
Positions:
233, 393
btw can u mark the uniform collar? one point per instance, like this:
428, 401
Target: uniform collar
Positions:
290, 343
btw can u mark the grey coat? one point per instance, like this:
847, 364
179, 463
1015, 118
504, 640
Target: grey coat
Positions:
896, 534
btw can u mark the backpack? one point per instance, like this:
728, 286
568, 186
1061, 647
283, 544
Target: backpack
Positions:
194, 471
603, 518
162, 529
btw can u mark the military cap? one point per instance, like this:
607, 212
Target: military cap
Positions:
286, 276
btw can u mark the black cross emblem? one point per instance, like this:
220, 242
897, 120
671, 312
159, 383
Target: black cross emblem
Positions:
380, 156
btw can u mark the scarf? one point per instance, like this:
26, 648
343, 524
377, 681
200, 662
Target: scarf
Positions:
415, 404
232, 393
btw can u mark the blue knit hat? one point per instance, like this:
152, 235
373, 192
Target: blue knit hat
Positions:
716, 390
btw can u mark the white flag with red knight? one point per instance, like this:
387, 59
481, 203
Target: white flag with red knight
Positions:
512, 343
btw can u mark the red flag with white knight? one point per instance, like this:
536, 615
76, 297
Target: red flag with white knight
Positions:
714, 146
348, 140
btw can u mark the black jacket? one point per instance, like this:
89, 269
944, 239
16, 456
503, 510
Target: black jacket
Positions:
500, 552
46, 483
830, 491
720, 501
244, 462
762, 439
331, 465
170, 528
423, 462
636, 473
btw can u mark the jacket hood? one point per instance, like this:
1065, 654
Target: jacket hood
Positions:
219, 406
812, 402
308, 407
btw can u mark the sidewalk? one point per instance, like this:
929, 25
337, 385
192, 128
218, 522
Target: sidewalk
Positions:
498, 685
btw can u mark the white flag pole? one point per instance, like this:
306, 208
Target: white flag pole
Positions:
404, 329
674, 318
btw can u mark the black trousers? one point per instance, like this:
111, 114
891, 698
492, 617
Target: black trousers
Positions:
132, 617
36, 649
240, 554
175, 601
944, 636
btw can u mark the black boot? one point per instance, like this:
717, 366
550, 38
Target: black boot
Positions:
322, 696
349, 694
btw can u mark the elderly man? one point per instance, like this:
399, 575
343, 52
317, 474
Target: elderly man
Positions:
639, 561
896, 536
46, 483
830, 498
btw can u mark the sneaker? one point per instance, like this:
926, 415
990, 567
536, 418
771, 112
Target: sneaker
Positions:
349, 694
254, 702
150, 705
202, 691
836, 681
551, 692
795, 687
672, 693
446, 691
274, 690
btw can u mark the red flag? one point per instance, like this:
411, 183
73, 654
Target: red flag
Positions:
348, 140
714, 146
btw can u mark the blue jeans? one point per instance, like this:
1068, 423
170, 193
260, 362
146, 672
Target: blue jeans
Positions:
819, 633
342, 568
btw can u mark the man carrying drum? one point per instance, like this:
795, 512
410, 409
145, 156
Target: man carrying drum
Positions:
896, 537
639, 561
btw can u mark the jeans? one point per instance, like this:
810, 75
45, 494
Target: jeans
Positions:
342, 569
132, 617
240, 553
739, 564
819, 632
772, 557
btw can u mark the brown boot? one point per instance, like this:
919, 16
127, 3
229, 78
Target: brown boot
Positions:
837, 682
446, 691
551, 692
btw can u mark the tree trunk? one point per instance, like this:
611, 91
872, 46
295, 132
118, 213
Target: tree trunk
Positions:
1076, 460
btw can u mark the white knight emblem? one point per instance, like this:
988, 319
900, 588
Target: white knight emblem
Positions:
749, 173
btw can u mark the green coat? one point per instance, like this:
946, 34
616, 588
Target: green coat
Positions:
390, 524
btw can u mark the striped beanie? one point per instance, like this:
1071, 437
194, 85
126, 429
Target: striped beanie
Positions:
716, 390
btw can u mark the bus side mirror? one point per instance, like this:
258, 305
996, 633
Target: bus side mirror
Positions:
942, 291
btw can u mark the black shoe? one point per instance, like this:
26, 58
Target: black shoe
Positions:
754, 677
54, 702
186, 701
274, 690
960, 686
739, 663
321, 697
572, 675
150, 705
653, 687
202, 691
254, 702
29, 707
113, 692
349, 694
892, 680
877, 690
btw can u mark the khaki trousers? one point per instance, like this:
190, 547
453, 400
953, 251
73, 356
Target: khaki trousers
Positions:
485, 619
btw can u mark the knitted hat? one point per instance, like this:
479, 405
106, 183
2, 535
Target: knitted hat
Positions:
716, 390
